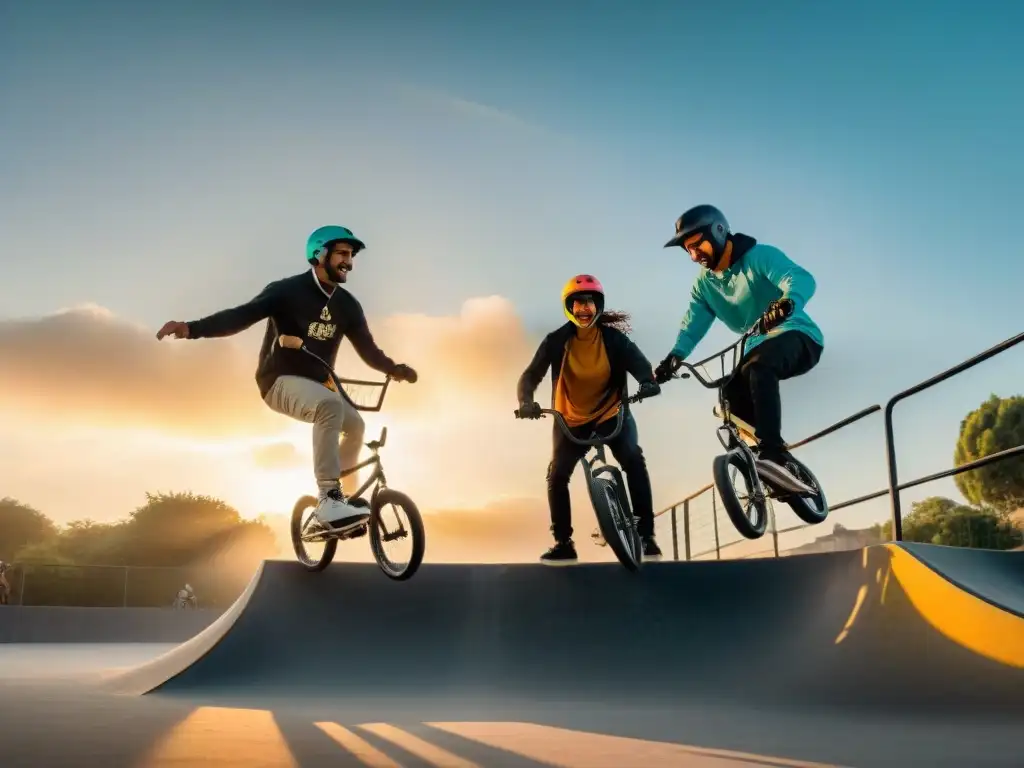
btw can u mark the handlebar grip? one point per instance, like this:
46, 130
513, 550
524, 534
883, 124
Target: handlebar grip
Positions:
291, 342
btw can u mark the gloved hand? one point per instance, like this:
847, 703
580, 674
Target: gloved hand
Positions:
403, 372
529, 410
649, 389
666, 368
777, 311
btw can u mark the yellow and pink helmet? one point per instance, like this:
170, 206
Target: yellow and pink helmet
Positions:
579, 287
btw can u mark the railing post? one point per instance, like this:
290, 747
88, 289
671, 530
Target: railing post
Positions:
894, 492
124, 600
675, 535
714, 519
686, 527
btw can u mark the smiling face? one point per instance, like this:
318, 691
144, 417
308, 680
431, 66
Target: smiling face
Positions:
584, 309
338, 263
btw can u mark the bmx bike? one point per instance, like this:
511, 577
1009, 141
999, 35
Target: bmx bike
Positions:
741, 457
306, 530
615, 518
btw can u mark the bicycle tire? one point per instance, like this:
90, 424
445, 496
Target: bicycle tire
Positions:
330, 547
813, 510
416, 530
733, 508
625, 545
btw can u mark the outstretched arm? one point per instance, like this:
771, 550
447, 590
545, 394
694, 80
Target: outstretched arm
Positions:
531, 378
696, 323
228, 322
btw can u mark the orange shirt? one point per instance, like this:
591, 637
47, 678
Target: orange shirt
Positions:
583, 380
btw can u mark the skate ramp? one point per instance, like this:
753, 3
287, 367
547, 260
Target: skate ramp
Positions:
873, 629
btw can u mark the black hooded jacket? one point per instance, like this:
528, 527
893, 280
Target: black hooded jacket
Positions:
624, 357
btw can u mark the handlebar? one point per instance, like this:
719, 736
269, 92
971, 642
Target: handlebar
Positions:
294, 342
741, 343
595, 439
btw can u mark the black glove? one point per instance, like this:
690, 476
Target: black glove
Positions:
529, 410
777, 311
666, 368
403, 372
649, 389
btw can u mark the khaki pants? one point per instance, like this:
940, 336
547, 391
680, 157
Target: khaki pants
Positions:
331, 416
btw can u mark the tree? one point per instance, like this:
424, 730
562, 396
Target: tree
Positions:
996, 425
174, 529
20, 526
937, 520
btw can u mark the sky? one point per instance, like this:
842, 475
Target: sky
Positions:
166, 161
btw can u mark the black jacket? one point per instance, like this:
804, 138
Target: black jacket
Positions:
298, 306
623, 357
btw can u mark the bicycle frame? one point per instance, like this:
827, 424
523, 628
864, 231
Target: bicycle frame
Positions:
377, 476
733, 443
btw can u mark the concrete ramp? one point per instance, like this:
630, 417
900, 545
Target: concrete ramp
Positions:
873, 629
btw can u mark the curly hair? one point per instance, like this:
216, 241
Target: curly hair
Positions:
617, 320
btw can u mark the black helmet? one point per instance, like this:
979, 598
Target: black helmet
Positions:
705, 220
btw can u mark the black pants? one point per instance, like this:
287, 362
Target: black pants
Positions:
627, 452
753, 394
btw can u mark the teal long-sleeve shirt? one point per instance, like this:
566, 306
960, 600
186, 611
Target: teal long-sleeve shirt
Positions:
741, 294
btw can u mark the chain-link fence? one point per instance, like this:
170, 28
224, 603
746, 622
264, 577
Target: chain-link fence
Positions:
110, 586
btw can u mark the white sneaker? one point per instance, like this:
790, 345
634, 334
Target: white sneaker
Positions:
334, 512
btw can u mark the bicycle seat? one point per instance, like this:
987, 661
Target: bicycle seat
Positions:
373, 445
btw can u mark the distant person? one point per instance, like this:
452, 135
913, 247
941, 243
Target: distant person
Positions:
186, 598
742, 282
588, 359
5, 586
312, 305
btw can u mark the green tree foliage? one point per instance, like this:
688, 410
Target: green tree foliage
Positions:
21, 526
996, 425
937, 520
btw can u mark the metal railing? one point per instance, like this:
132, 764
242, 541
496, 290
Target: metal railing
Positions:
894, 486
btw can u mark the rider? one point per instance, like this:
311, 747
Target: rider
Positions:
743, 282
5, 587
314, 306
588, 358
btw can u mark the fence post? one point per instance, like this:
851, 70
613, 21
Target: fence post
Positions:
894, 493
686, 527
714, 519
675, 535
775, 530
124, 600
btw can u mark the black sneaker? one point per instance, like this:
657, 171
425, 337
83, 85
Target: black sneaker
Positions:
651, 549
563, 553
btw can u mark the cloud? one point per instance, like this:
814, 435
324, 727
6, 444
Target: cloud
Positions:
472, 359
278, 456
469, 108
87, 366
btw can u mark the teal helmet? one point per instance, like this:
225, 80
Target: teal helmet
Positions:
323, 236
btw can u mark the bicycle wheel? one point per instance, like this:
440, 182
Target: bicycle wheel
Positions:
748, 517
618, 531
307, 531
387, 526
813, 509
